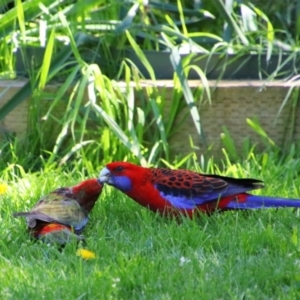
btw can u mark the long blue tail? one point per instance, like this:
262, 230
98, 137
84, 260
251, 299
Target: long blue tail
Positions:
258, 202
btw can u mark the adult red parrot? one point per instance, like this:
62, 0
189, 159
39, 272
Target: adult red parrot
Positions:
173, 192
62, 214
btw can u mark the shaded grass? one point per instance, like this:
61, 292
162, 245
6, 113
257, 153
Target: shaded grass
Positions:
139, 255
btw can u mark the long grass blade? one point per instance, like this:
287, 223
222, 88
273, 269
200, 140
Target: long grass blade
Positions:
223, 10
58, 63
259, 130
134, 148
21, 19
128, 20
47, 60
141, 55
177, 65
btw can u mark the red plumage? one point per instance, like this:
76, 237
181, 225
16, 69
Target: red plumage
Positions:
186, 192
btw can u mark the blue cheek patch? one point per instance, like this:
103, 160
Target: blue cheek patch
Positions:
123, 183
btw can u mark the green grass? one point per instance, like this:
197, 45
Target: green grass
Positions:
139, 255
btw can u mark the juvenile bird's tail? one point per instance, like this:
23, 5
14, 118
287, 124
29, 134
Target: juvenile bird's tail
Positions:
258, 202
33, 216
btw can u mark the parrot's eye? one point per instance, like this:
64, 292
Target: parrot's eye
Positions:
119, 169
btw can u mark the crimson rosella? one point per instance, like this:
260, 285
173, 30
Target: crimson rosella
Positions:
173, 192
62, 214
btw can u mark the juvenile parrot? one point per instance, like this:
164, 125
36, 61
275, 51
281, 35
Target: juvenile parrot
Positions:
62, 214
174, 192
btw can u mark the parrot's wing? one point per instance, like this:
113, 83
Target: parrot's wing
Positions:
32, 216
59, 210
186, 189
65, 211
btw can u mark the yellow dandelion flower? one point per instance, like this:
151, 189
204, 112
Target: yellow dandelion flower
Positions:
86, 254
3, 188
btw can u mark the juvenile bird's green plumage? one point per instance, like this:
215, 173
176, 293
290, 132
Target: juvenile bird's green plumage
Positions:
68, 206
56, 208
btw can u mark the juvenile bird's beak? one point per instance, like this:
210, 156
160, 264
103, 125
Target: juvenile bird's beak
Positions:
104, 176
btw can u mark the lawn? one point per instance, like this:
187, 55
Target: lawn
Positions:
140, 255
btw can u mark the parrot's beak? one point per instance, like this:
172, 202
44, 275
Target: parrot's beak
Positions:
104, 176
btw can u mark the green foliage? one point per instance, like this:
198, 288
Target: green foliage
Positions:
88, 119
248, 149
89, 115
112, 120
142, 255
